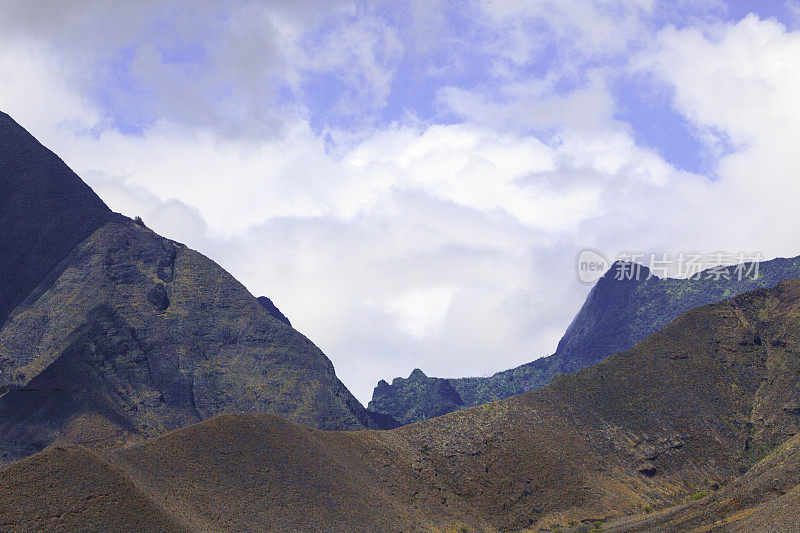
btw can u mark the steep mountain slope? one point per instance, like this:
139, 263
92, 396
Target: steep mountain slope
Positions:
617, 314
685, 411
154, 336
45, 211
132, 334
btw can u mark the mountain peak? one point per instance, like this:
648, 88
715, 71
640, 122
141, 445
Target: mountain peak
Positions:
417, 374
104, 319
623, 270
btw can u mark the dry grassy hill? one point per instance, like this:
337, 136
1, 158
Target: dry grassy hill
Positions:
765, 498
685, 412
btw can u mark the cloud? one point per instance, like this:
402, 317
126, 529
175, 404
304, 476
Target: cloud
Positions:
533, 104
441, 236
571, 31
239, 69
737, 83
734, 78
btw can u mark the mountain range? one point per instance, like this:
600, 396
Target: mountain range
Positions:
704, 410
628, 304
142, 388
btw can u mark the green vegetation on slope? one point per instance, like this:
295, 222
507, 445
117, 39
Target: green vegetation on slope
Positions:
616, 315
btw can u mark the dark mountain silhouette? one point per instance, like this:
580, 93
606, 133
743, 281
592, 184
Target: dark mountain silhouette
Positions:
118, 334
45, 211
620, 310
704, 408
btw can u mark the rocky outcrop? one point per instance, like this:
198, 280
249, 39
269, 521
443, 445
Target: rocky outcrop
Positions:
438, 398
273, 311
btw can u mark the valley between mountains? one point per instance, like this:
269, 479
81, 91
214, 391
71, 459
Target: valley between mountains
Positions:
143, 388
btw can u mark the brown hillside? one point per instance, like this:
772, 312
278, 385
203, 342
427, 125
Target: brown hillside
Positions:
692, 407
765, 498
244, 472
73, 489
695, 404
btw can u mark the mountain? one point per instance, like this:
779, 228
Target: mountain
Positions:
704, 408
416, 398
118, 334
620, 310
45, 211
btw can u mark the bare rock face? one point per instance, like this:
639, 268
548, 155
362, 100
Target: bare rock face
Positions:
430, 397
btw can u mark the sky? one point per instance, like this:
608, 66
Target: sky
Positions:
412, 182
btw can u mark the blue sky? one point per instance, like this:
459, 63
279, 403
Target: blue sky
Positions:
412, 182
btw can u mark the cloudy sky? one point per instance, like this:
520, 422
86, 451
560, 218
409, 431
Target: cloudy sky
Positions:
411, 182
